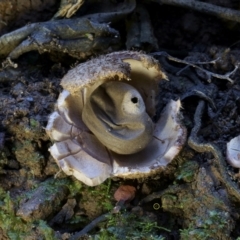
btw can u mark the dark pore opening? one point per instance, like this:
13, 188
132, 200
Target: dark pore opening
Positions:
134, 100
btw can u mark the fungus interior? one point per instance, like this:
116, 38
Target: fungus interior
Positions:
116, 114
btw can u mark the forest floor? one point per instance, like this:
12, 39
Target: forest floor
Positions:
197, 196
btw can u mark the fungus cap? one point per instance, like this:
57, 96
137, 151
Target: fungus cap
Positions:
103, 120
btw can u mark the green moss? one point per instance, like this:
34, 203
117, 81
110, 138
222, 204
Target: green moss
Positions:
12, 225
208, 228
46, 231
52, 184
34, 123
101, 195
126, 225
74, 187
171, 201
29, 156
187, 171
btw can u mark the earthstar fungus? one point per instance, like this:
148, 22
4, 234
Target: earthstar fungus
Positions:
103, 124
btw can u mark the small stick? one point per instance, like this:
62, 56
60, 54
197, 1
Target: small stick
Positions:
208, 8
89, 227
209, 74
96, 221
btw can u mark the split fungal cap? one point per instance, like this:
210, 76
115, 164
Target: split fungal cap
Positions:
233, 152
103, 122
139, 70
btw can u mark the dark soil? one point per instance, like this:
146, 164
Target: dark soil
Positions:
194, 201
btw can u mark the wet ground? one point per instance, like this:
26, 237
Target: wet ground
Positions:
198, 194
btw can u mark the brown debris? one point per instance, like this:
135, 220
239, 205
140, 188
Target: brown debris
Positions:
125, 193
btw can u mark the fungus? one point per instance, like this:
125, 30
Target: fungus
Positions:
233, 152
125, 193
103, 120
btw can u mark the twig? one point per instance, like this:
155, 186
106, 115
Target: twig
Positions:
9, 63
89, 227
209, 74
68, 8
208, 8
96, 221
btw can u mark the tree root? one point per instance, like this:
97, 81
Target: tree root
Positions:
209, 74
89, 227
219, 163
221, 12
